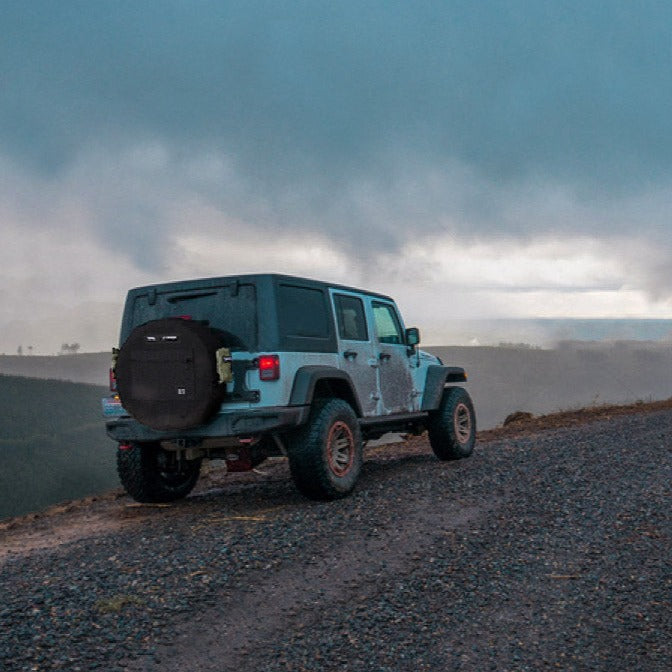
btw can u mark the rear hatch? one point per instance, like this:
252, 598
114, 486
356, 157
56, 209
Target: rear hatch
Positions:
158, 373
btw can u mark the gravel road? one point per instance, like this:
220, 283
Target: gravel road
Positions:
546, 551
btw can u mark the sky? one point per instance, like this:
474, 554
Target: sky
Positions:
472, 159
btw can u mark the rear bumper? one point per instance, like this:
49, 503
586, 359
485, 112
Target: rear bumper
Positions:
240, 423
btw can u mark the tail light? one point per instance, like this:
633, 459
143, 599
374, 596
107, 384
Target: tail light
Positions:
269, 367
113, 372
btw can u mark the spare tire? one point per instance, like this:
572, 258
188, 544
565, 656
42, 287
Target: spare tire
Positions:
167, 373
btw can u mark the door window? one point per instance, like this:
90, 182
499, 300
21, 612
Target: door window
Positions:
388, 329
350, 317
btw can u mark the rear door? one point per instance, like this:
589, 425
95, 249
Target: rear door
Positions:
357, 355
396, 385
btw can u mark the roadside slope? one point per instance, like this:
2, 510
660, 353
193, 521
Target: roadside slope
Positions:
52, 444
545, 550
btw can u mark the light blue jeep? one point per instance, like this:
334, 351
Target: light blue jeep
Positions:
246, 367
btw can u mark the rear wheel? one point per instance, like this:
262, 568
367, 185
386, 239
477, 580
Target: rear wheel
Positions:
325, 455
151, 474
452, 426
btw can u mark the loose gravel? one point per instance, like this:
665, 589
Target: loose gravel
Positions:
549, 551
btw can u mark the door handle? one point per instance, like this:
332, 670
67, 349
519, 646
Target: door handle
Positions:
384, 355
350, 354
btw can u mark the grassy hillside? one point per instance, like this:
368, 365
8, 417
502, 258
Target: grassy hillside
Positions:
52, 442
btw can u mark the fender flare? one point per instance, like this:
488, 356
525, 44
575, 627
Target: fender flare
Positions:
307, 377
437, 378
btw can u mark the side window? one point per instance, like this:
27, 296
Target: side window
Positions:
350, 317
388, 329
303, 312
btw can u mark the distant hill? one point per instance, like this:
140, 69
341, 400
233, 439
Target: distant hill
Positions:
52, 443
573, 375
88, 367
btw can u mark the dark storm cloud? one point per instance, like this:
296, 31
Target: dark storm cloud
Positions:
376, 113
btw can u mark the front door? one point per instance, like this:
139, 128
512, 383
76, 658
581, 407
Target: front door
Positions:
396, 384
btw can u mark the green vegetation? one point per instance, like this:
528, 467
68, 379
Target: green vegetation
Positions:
117, 603
52, 443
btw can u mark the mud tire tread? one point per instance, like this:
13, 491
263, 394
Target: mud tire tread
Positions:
139, 473
441, 427
306, 449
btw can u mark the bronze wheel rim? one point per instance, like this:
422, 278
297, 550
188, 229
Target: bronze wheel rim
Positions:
340, 448
462, 419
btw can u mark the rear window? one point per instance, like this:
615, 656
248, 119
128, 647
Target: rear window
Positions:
231, 308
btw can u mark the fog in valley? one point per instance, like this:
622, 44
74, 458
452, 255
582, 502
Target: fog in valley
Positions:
502, 379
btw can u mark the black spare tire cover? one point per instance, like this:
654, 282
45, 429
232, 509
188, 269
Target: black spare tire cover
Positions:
167, 374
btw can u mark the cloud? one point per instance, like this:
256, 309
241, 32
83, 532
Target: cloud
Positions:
354, 136
570, 90
64, 280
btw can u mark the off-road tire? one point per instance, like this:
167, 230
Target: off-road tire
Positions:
325, 454
145, 474
452, 426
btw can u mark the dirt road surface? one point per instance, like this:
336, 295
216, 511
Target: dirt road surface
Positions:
548, 549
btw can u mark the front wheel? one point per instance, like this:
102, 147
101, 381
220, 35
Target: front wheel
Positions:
151, 474
325, 454
452, 426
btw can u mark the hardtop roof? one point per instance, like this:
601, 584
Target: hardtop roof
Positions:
178, 285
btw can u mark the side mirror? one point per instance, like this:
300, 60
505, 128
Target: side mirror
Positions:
412, 336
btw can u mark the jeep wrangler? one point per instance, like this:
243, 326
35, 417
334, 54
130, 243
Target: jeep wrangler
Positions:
246, 367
